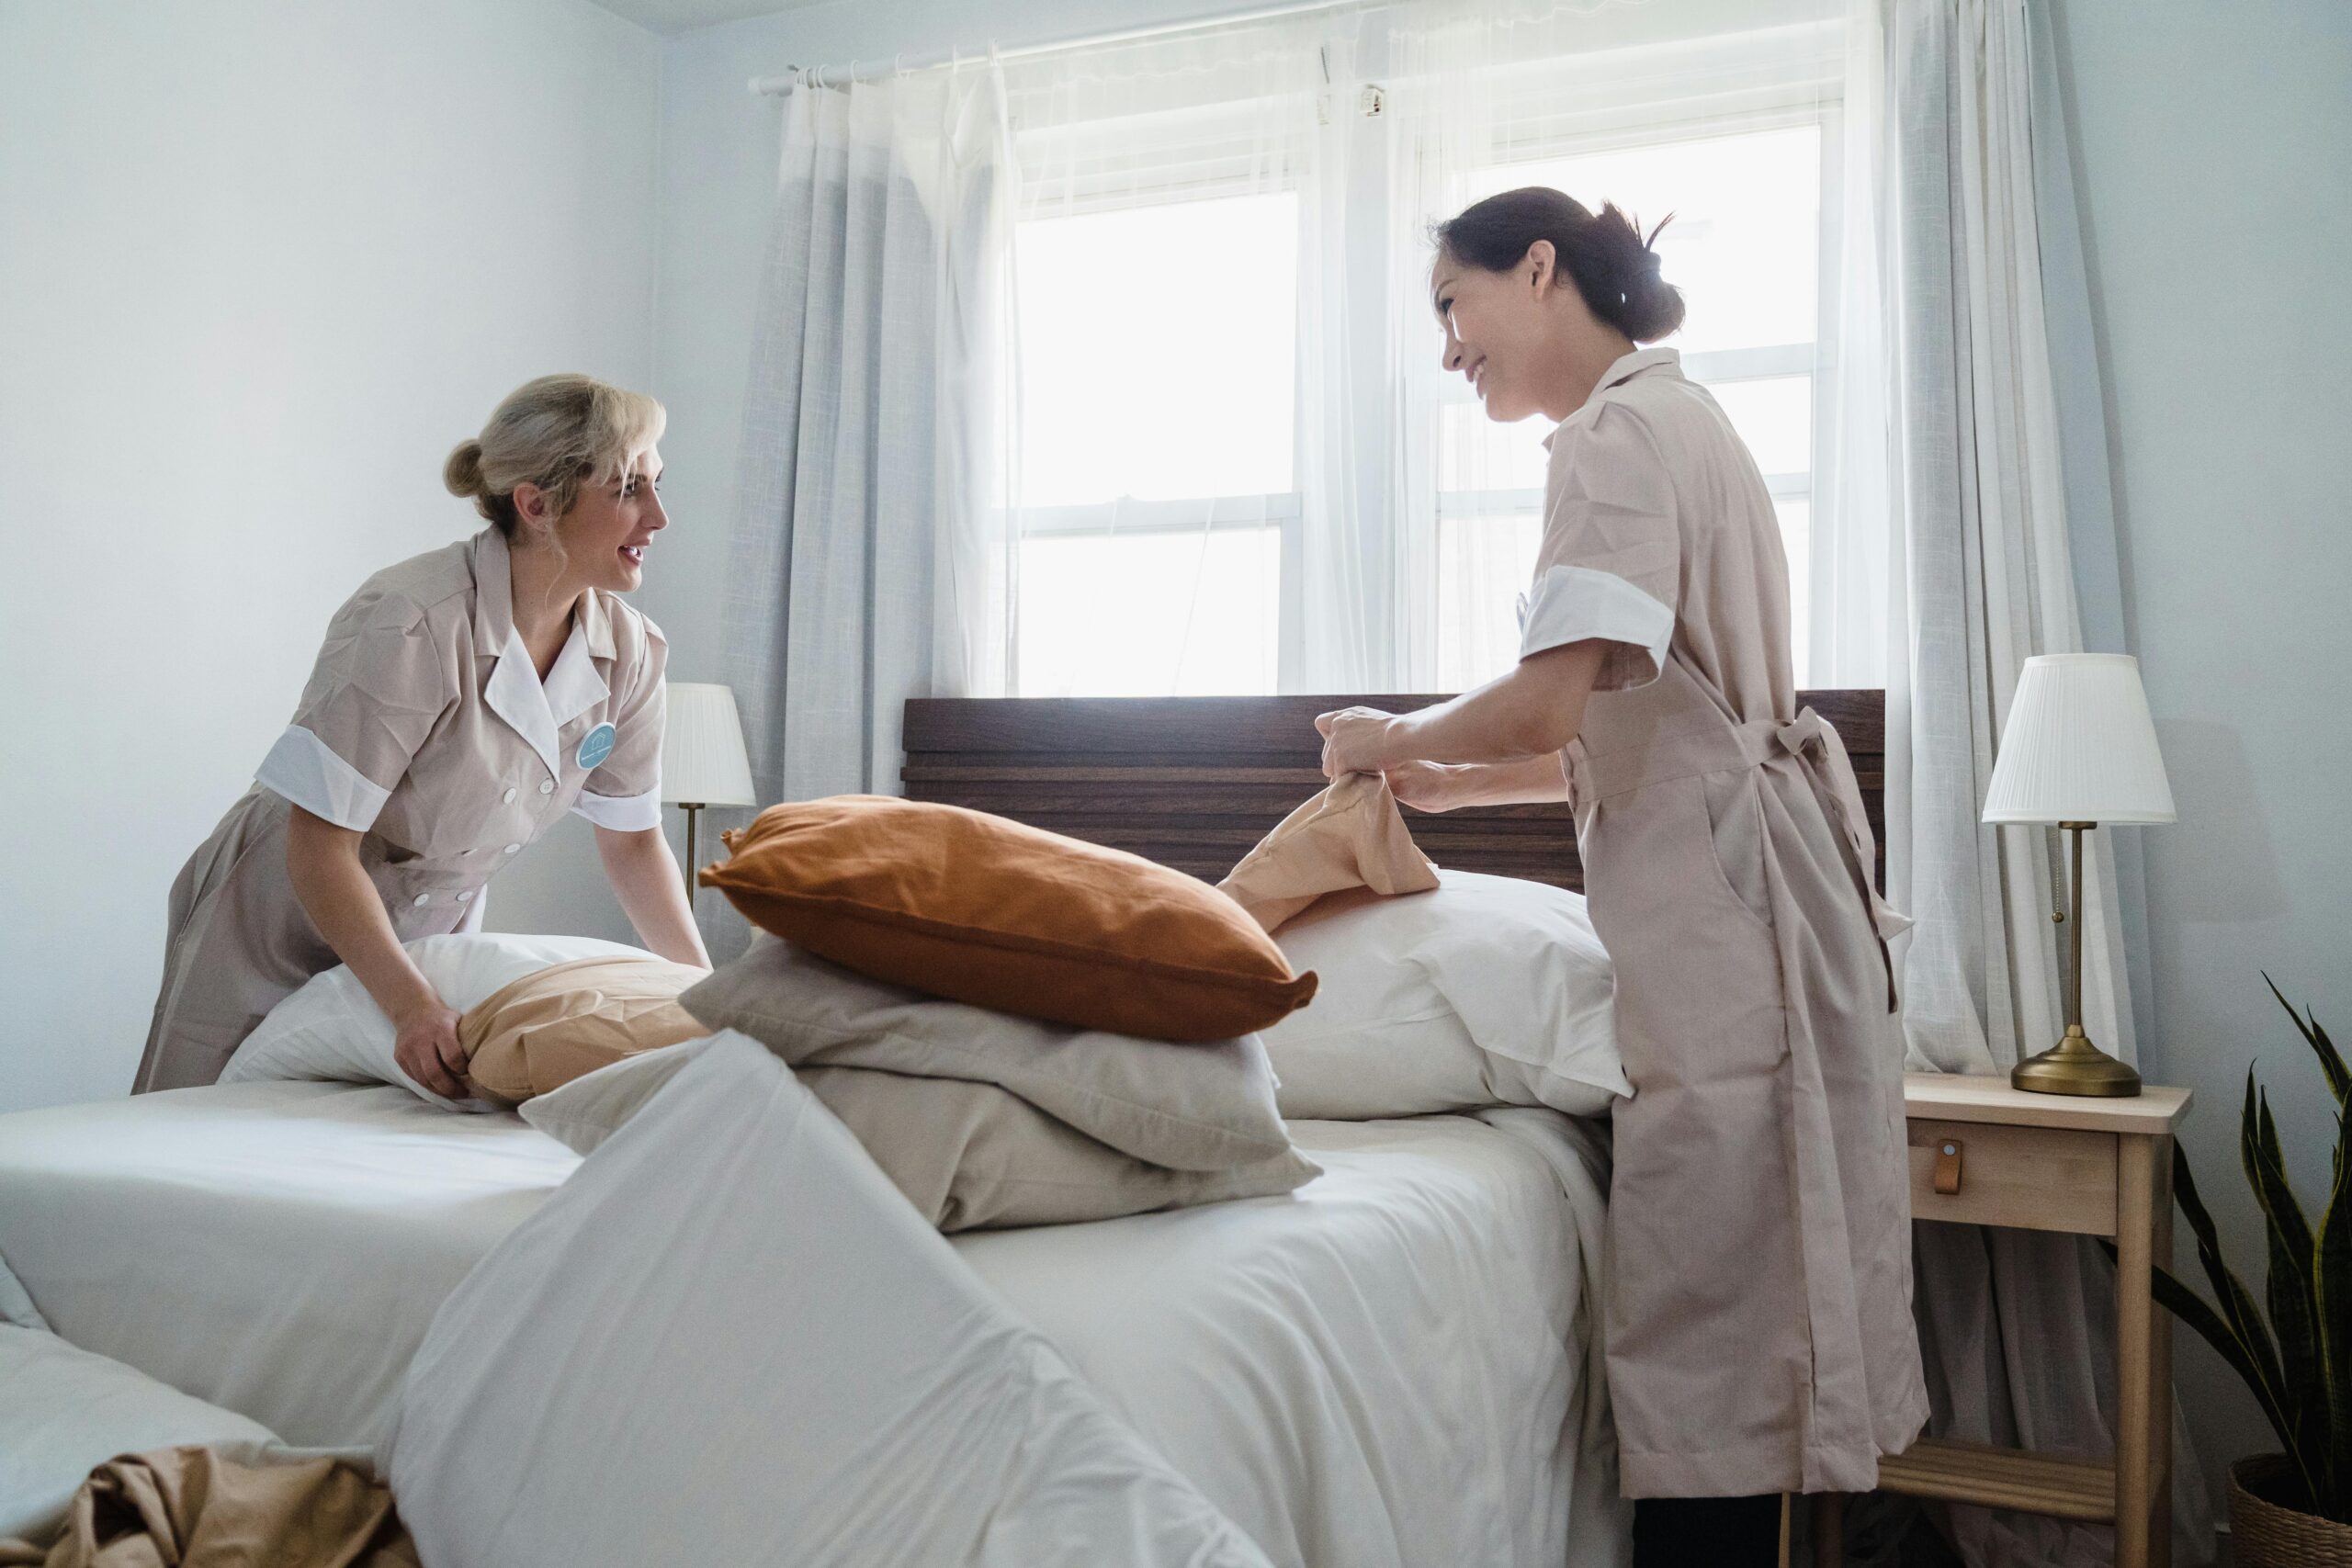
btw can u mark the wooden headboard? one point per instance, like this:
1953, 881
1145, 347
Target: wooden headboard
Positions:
1194, 783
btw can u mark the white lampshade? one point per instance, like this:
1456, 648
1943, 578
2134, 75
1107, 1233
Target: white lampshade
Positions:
2079, 746
702, 760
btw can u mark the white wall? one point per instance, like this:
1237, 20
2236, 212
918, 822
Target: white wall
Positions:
2209, 147
261, 265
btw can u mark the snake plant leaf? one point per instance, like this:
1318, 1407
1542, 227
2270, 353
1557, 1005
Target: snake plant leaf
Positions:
2290, 1289
2333, 1297
2331, 1061
2248, 1346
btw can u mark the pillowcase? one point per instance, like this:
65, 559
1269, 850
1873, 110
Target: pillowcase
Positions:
667, 1360
330, 1028
71, 1410
1351, 835
555, 1024
967, 1156
984, 910
1492, 991
1189, 1108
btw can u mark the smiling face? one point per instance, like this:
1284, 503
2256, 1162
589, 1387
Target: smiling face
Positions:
605, 533
1501, 329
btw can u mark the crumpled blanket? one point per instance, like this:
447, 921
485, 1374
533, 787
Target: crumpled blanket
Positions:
193, 1507
1351, 835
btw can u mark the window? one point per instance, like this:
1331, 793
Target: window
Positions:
1744, 246
1219, 393
1158, 371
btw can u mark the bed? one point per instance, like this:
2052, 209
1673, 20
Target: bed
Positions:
1392, 1366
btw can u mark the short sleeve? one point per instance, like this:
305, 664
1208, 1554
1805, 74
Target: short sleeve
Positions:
1611, 564
374, 696
624, 792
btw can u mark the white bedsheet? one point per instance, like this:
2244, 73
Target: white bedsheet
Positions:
1386, 1368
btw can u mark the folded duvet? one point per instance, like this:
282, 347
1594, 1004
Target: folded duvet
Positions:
728, 1339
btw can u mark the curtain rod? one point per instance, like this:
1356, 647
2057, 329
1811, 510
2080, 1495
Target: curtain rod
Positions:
839, 75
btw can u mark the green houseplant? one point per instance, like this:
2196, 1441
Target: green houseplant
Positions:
2294, 1507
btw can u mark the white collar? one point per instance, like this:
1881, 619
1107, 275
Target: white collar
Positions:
537, 712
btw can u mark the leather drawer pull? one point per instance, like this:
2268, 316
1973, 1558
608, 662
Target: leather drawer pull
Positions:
1947, 1178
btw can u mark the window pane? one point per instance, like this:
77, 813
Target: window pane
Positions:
1774, 417
1190, 613
1158, 351
1475, 452
1484, 564
1745, 233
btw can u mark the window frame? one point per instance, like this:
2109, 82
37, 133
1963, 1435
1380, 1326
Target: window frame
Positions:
1766, 94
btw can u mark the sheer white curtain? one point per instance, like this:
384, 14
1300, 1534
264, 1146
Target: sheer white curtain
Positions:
1732, 121
1181, 466
2018, 1330
862, 567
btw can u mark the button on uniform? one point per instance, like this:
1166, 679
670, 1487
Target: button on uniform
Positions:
547, 786
513, 848
421, 899
508, 798
467, 897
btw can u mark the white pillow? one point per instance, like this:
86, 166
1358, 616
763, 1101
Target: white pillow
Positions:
64, 1411
1490, 990
332, 1028
729, 1329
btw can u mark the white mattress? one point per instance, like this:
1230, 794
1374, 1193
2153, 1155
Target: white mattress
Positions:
1388, 1367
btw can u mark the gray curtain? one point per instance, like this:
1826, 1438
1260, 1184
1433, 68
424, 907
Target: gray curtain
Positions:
2006, 549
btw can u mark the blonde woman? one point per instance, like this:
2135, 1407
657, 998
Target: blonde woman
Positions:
463, 701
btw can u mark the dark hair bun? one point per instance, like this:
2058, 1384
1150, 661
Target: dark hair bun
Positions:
1615, 269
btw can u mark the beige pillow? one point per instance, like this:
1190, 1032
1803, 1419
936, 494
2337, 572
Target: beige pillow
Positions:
1186, 1107
1350, 836
558, 1024
967, 1156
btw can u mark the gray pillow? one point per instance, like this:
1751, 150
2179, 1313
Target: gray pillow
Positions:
969, 1156
1185, 1107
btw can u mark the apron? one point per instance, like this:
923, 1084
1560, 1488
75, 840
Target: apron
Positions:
1758, 1316
425, 726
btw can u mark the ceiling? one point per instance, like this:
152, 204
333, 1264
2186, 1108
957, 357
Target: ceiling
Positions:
683, 16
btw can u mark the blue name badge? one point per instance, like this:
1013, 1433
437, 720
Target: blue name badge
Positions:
597, 745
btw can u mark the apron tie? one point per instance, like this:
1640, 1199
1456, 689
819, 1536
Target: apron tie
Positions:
1811, 738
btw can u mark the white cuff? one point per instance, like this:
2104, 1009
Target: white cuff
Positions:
622, 813
1575, 604
301, 768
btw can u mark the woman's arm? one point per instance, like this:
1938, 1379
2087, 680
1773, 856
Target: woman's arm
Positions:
322, 862
1450, 786
645, 878
1533, 711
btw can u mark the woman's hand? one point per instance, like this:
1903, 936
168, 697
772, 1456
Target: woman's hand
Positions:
427, 1050
1356, 740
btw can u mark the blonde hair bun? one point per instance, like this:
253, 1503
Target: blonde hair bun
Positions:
462, 472
556, 433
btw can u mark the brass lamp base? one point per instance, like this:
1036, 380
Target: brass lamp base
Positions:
2075, 1065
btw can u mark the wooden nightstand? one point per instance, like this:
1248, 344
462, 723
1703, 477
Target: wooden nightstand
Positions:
1984, 1154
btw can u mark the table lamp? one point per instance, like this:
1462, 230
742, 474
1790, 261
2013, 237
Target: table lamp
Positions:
2079, 750
702, 760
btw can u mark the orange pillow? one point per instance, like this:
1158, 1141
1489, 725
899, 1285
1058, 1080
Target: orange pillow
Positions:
990, 912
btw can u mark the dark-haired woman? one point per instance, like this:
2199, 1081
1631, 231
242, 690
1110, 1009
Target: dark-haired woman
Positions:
1759, 1298
463, 702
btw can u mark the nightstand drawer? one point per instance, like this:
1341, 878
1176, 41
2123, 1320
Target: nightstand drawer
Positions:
2042, 1178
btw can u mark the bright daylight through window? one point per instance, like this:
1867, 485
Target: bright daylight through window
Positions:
1158, 350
